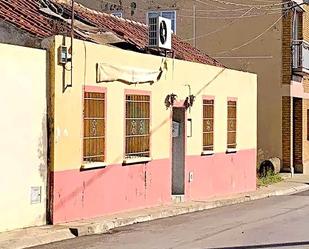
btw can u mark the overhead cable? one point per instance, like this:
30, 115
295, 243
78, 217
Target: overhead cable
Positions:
253, 39
249, 5
231, 17
218, 29
256, 57
199, 1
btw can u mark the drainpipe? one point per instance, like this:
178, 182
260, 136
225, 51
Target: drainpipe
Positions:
72, 40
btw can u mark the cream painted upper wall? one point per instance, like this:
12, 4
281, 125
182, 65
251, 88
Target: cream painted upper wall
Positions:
203, 79
23, 143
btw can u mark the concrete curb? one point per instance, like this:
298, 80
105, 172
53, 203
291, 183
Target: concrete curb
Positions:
29, 237
103, 226
293, 190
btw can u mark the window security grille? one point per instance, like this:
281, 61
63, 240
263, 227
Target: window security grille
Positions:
94, 127
208, 125
231, 124
153, 28
118, 14
137, 126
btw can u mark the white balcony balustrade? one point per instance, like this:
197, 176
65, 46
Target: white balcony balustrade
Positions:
300, 57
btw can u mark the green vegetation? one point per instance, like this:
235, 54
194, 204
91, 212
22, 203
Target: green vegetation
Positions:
269, 179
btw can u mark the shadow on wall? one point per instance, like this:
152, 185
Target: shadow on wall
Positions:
42, 150
209, 82
11, 35
84, 185
75, 192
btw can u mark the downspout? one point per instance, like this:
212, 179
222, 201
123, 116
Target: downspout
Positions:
72, 40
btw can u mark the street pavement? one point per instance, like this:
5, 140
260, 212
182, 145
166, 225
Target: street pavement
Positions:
275, 222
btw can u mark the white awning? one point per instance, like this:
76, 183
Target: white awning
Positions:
129, 75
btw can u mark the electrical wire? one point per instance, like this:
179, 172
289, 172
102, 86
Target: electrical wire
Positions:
220, 15
249, 5
273, 3
211, 11
214, 11
229, 10
253, 39
208, 4
220, 28
264, 1
256, 57
185, 9
230, 17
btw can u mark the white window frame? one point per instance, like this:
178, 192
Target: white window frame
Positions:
160, 13
118, 14
295, 25
296, 49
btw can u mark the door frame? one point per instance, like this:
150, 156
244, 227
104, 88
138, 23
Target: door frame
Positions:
179, 105
297, 134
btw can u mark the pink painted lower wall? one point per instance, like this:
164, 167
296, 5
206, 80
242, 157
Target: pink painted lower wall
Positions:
86, 194
82, 195
220, 174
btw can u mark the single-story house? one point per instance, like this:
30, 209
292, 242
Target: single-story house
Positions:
129, 127
136, 130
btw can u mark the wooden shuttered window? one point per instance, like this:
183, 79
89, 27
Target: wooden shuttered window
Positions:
231, 124
208, 125
94, 127
137, 126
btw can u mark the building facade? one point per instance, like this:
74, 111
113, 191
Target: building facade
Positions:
118, 146
269, 39
23, 132
295, 80
125, 129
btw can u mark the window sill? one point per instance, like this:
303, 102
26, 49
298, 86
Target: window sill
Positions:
231, 151
137, 160
93, 165
207, 152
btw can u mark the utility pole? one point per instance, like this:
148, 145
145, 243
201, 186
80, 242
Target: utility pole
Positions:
194, 25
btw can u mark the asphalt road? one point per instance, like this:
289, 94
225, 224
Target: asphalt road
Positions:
278, 222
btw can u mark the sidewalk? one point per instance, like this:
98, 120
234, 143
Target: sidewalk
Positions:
46, 234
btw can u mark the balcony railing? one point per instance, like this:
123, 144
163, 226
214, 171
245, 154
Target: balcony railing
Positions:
301, 57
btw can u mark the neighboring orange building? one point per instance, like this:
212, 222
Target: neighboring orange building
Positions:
269, 39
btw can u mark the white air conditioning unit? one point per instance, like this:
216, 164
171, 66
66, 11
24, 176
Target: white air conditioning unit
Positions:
160, 32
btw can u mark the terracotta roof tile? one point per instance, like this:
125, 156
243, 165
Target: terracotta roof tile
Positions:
26, 15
